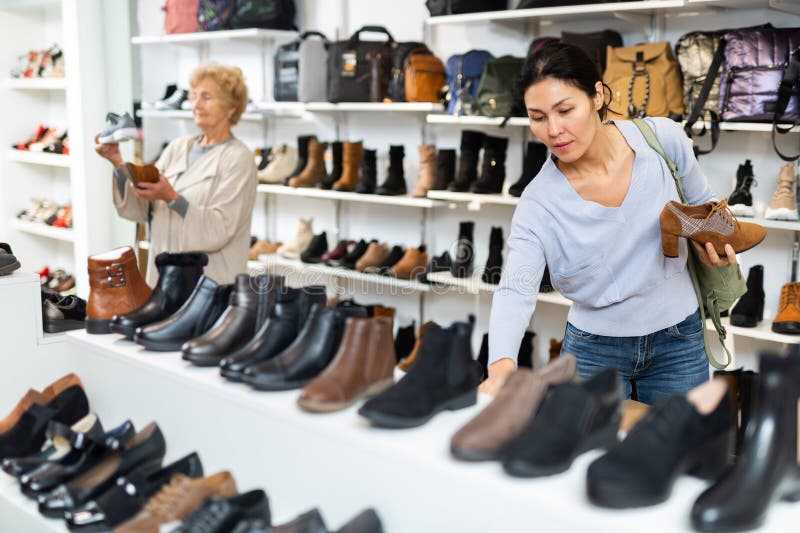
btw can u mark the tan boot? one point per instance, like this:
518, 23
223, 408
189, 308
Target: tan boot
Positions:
263, 248
783, 205
314, 172
406, 363
373, 257
143, 173
351, 161
411, 265
632, 413
710, 222
788, 318
116, 288
293, 249
427, 171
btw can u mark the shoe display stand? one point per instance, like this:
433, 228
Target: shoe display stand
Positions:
76, 102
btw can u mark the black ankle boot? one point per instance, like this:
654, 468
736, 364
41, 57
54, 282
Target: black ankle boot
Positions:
535, 157
336, 171
740, 201
316, 248
285, 322
442, 377
404, 341
493, 168
369, 173
177, 276
395, 183
302, 156
767, 469
673, 439
749, 310
471, 143
465, 255
445, 169
494, 263
525, 354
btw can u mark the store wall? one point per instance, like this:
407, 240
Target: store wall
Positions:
405, 20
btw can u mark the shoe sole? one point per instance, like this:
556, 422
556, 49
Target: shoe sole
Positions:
330, 407
155, 346
60, 326
742, 210
787, 328
388, 421
737, 251
278, 386
472, 455
98, 326
744, 321
781, 214
126, 332
202, 360
8, 269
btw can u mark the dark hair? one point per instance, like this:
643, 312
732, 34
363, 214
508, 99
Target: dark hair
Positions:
565, 62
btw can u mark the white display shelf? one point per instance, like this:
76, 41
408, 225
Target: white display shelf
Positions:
185, 114
274, 261
472, 284
308, 192
206, 36
788, 6
440, 118
763, 331
409, 107
787, 225
38, 158
758, 127
47, 84
43, 230
21, 514
475, 200
575, 11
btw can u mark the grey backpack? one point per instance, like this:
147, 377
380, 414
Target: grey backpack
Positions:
298, 65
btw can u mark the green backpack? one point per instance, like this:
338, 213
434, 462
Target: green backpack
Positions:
717, 288
496, 87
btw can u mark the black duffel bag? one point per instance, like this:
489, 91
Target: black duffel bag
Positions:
268, 14
349, 65
456, 7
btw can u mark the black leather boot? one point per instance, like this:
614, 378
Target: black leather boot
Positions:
286, 320
535, 157
177, 276
524, 356
302, 156
465, 255
740, 201
336, 171
203, 308
443, 377
368, 178
395, 183
395, 255
445, 169
494, 263
493, 168
767, 469
749, 310
317, 247
471, 143
309, 354
250, 306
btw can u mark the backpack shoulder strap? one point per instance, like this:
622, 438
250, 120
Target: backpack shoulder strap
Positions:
702, 97
655, 144
790, 76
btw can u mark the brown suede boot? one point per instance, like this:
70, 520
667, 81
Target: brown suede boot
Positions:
143, 173
788, 318
427, 171
373, 257
351, 161
412, 264
632, 413
363, 366
116, 288
314, 172
261, 247
710, 222
406, 363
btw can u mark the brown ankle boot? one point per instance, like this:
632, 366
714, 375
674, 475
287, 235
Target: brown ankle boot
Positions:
363, 366
788, 318
427, 171
411, 265
116, 287
351, 161
710, 222
143, 173
406, 363
632, 413
314, 172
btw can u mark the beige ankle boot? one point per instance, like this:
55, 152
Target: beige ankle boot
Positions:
293, 249
783, 205
427, 171
282, 161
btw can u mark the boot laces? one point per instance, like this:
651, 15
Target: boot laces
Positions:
725, 215
790, 295
165, 500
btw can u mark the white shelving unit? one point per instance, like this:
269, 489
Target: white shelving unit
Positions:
516, 122
307, 192
474, 200
183, 114
256, 34
406, 107
39, 158
37, 84
43, 230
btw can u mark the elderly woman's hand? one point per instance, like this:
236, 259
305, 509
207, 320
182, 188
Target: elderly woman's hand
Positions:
160, 190
709, 256
108, 151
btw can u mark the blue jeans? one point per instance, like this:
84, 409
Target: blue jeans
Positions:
667, 362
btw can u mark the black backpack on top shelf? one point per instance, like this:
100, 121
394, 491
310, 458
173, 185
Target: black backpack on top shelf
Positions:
266, 14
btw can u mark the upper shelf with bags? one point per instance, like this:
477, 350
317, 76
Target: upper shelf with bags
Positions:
476, 11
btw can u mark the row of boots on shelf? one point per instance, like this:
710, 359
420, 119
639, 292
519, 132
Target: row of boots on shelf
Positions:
782, 206
355, 168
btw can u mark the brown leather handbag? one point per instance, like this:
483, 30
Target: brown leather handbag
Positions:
424, 76
645, 80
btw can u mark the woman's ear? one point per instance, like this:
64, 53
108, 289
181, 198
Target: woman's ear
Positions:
599, 96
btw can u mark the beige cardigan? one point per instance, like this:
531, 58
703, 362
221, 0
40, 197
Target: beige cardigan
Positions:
220, 188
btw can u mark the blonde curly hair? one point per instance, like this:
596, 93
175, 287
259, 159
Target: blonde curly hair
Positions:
231, 83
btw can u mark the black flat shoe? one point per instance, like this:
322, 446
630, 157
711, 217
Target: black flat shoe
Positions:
367, 521
308, 522
219, 515
146, 448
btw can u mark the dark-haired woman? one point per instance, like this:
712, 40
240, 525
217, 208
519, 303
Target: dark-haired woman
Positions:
592, 216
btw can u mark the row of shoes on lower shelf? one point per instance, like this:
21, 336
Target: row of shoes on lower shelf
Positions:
46, 139
101, 480
47, 63
354, 168
782, 206
49, 212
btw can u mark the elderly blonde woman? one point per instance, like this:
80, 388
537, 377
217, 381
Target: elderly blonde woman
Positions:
203, 199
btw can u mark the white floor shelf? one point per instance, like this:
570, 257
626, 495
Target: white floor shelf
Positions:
763, 332
47, 84
307, 192
475, 200
43, 230
476, 121
38, 158
280, 264
256, 34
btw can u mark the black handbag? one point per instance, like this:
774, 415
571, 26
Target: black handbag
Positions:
349, 65
397, 81
594, 44
268, 14
456, 7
